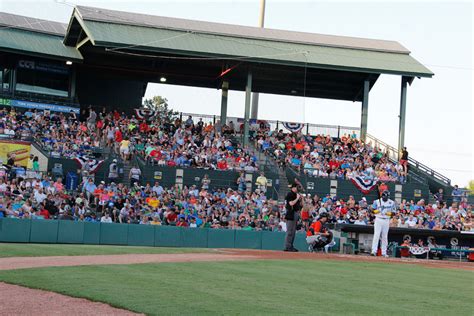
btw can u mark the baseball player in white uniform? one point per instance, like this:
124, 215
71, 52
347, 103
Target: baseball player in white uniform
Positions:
383, 209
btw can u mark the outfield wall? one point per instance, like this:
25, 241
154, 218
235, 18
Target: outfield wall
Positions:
70, 232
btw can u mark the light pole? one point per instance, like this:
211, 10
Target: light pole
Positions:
261, 22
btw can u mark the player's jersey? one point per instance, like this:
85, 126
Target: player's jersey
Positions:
384, 207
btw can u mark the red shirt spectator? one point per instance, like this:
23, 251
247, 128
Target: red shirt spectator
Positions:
222, 165
333, 164
172, 217
118, 136
144, 127
116, 115
182, 223
44, 213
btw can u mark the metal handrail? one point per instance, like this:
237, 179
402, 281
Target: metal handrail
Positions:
313, 125
392, 153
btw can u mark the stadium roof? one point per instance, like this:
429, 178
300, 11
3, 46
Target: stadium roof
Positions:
27, 35
143, 48
122, 31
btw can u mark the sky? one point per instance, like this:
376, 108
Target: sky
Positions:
438, 33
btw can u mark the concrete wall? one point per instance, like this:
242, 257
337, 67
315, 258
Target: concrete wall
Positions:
42, 158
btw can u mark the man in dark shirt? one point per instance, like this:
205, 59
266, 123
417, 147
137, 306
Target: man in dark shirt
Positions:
293, 206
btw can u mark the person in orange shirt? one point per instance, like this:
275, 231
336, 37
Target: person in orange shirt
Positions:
318, 235
208, 128
98, 191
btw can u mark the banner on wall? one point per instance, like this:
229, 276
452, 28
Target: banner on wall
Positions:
20, 149
39, 106
293, 127
145, 114
364, 186
91, 164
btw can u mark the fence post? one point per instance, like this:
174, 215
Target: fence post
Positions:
307, 128
277, 124
214, 120
181, 117
338, 131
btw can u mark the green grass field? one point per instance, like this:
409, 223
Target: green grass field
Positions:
39, 250
262, 287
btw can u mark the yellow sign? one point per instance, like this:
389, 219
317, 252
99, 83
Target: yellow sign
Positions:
20, 150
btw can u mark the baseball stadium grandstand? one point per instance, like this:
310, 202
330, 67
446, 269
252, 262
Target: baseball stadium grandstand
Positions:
84, 160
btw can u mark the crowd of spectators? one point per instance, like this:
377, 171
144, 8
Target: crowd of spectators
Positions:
160, 139
194, 144
170, 141
327, 157
201, 206
410, 214
61, 134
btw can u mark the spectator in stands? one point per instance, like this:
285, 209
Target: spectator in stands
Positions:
261, 182
113, 171
439, 196
456, 194
404, 160
135, 174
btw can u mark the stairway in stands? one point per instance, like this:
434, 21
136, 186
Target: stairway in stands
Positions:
284, 185
416, 170
126, 171
266, 164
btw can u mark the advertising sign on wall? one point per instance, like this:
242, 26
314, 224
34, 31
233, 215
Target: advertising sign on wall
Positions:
20, 149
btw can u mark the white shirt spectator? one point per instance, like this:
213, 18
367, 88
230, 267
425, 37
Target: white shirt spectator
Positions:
106, 219
157, 189
282, 224
411, 222
40, 197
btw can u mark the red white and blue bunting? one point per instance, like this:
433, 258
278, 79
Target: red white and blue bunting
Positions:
89, 163
365, 186
293, 127
145, 114
419, 250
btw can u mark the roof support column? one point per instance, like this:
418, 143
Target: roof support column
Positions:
248, 94
225, 92
254, 113
365, 111
403, 107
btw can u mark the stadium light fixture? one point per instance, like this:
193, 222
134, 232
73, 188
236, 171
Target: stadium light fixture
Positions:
68, 62
162, 79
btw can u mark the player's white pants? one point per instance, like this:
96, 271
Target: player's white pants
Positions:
312, 239
381, 227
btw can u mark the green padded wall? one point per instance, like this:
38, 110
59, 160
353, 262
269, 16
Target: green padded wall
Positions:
44, 231
168, 236
141, 235
113, 234
221, 238
70, 232
91, 233
194, 237
15, 230
300, 242
273, 240
248, 239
